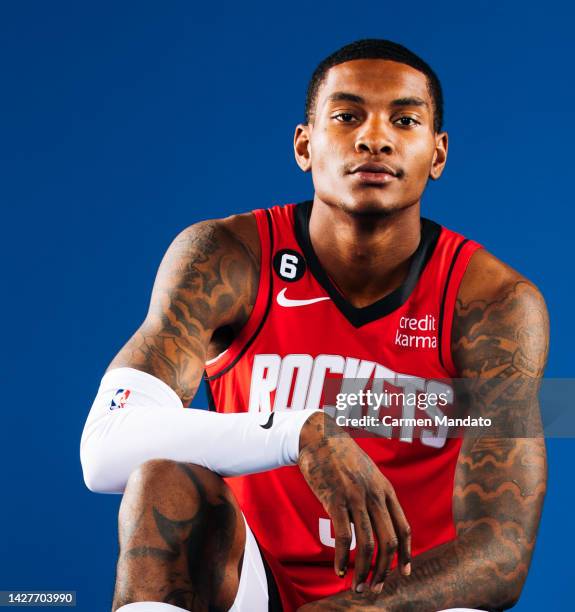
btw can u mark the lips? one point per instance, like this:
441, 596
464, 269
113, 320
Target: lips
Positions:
375, 174
375, 168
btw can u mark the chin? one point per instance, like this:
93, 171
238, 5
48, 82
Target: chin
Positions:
366, 201
370, 207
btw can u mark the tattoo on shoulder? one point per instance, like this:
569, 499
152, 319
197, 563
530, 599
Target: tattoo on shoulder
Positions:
207, 279
508, 332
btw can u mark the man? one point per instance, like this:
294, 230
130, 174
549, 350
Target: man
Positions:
275, 306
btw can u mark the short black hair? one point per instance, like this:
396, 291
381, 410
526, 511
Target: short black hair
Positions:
375, 48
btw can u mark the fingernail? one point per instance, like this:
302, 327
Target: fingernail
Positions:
407, 569
360, 588
377, 588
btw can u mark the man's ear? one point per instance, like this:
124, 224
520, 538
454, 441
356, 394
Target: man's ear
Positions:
439, 156
302, 146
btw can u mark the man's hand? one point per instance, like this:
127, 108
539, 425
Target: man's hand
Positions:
352, 489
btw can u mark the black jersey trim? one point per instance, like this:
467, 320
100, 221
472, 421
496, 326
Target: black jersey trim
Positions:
211, 402
274, 599
444, 297
358, 317
267, 310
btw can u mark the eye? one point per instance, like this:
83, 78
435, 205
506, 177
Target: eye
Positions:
344, 117
406, 121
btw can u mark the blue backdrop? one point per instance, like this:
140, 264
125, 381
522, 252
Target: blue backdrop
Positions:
122, 123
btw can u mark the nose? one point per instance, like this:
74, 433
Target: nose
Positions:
374, 137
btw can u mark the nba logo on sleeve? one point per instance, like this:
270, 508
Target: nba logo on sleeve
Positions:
120, 399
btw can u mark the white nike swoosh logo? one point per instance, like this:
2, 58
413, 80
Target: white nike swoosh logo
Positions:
282, 300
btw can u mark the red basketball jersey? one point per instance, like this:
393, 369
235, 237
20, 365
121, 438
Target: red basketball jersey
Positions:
302, 332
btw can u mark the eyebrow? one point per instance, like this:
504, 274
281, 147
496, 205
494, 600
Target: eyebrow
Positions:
410, 101
340, 96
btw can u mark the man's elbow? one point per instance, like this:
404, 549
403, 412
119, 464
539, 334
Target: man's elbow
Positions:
509, 597
499, 565
98, 466
92, 481
93, 470
506, 589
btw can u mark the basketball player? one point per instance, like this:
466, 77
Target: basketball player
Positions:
256, 505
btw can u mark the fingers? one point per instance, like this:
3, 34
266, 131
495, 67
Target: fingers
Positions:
343, 538
403, 533
384, 517
387, 545
364, 549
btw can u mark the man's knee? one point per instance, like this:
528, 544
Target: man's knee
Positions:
176, 520
175, 487
165, 500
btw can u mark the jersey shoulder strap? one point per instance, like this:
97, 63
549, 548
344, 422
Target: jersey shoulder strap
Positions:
225, 361
459, 251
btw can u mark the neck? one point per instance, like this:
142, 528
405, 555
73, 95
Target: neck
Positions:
366, 256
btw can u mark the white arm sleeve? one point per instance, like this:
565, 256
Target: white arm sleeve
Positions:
136, 417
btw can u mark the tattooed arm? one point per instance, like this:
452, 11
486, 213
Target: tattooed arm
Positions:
204, 293
499, 341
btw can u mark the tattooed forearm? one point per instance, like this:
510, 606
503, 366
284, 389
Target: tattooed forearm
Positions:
208, 280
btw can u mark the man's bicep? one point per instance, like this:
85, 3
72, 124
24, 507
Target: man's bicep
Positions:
205, 281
